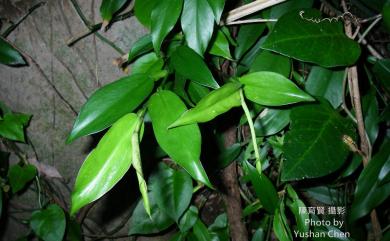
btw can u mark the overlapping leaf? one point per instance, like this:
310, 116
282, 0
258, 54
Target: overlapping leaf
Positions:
106, 164
143, 10
110, 103
141, 46
49, 224
109, 7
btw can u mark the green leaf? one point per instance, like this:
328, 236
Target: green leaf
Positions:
9, 55
271, 121
150, 65
259, 235
269, 61
141, 46
197, 22
197, 71
106, 164
263, 187
247, 36
49, 224
143, 10
162, 22
197, 92
201, 232
228, 155
314, 145
19, 176
73, 230
220, 46
188, 219
304, 40
217, 8
323, 194
109, 7
141, 223
294, 206
371, 115
386, 14
12, 126
110, 103
369, 193
172, 191
327, 84
216, 103
272, 89
381, 70
182, 144
280, 226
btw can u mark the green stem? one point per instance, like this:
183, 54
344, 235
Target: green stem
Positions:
252, 129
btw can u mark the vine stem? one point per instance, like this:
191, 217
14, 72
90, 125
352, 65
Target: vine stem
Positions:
252, 130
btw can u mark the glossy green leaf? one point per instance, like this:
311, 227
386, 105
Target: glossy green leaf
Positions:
197, 71
272, 89
220, 46
216, 103
247, 37
9, 55
371, 115
12, 126
294, 206
228, 155
141, 223
201, 232
271, 121
143, 10
217, 7
197, 22
368, 192
49, 224
172, 191
197, 92
106, 164
109, 7
151, 65
182, 144
314, 145
272, 62
19, 176
162, 22
304, 40
259, 235
188, 219
141, 46
110, 103
326, 83
247, 60
263, 187
280, 227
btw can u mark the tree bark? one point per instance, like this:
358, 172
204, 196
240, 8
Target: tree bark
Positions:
231, 195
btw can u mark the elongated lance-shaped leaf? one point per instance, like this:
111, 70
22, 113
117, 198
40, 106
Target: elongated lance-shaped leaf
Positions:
183, 143
106, 164
272, 89
141, 46
9, 55
110, 103
217, 7
108, 8
215, 103
136, 156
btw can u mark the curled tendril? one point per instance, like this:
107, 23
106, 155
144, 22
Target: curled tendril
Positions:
335, 19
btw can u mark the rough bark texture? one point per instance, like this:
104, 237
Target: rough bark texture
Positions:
232, 197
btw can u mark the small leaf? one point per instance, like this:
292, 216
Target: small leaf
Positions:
150, 65
49, 224
182, 144
371, 115
314, 146
197, 22
272, 89
247, 37
12, 126
296, 36
141, 223
110, 103
264, 188
217, 8
162, 22
271, 121
189, 219
201, 232
197, 71
327, 84
19, 176
109, 7
280, 226
141, 46
172, 191
272, 62
220, 46
9, 55
216, 103
294, 206
106, 164
143, 10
